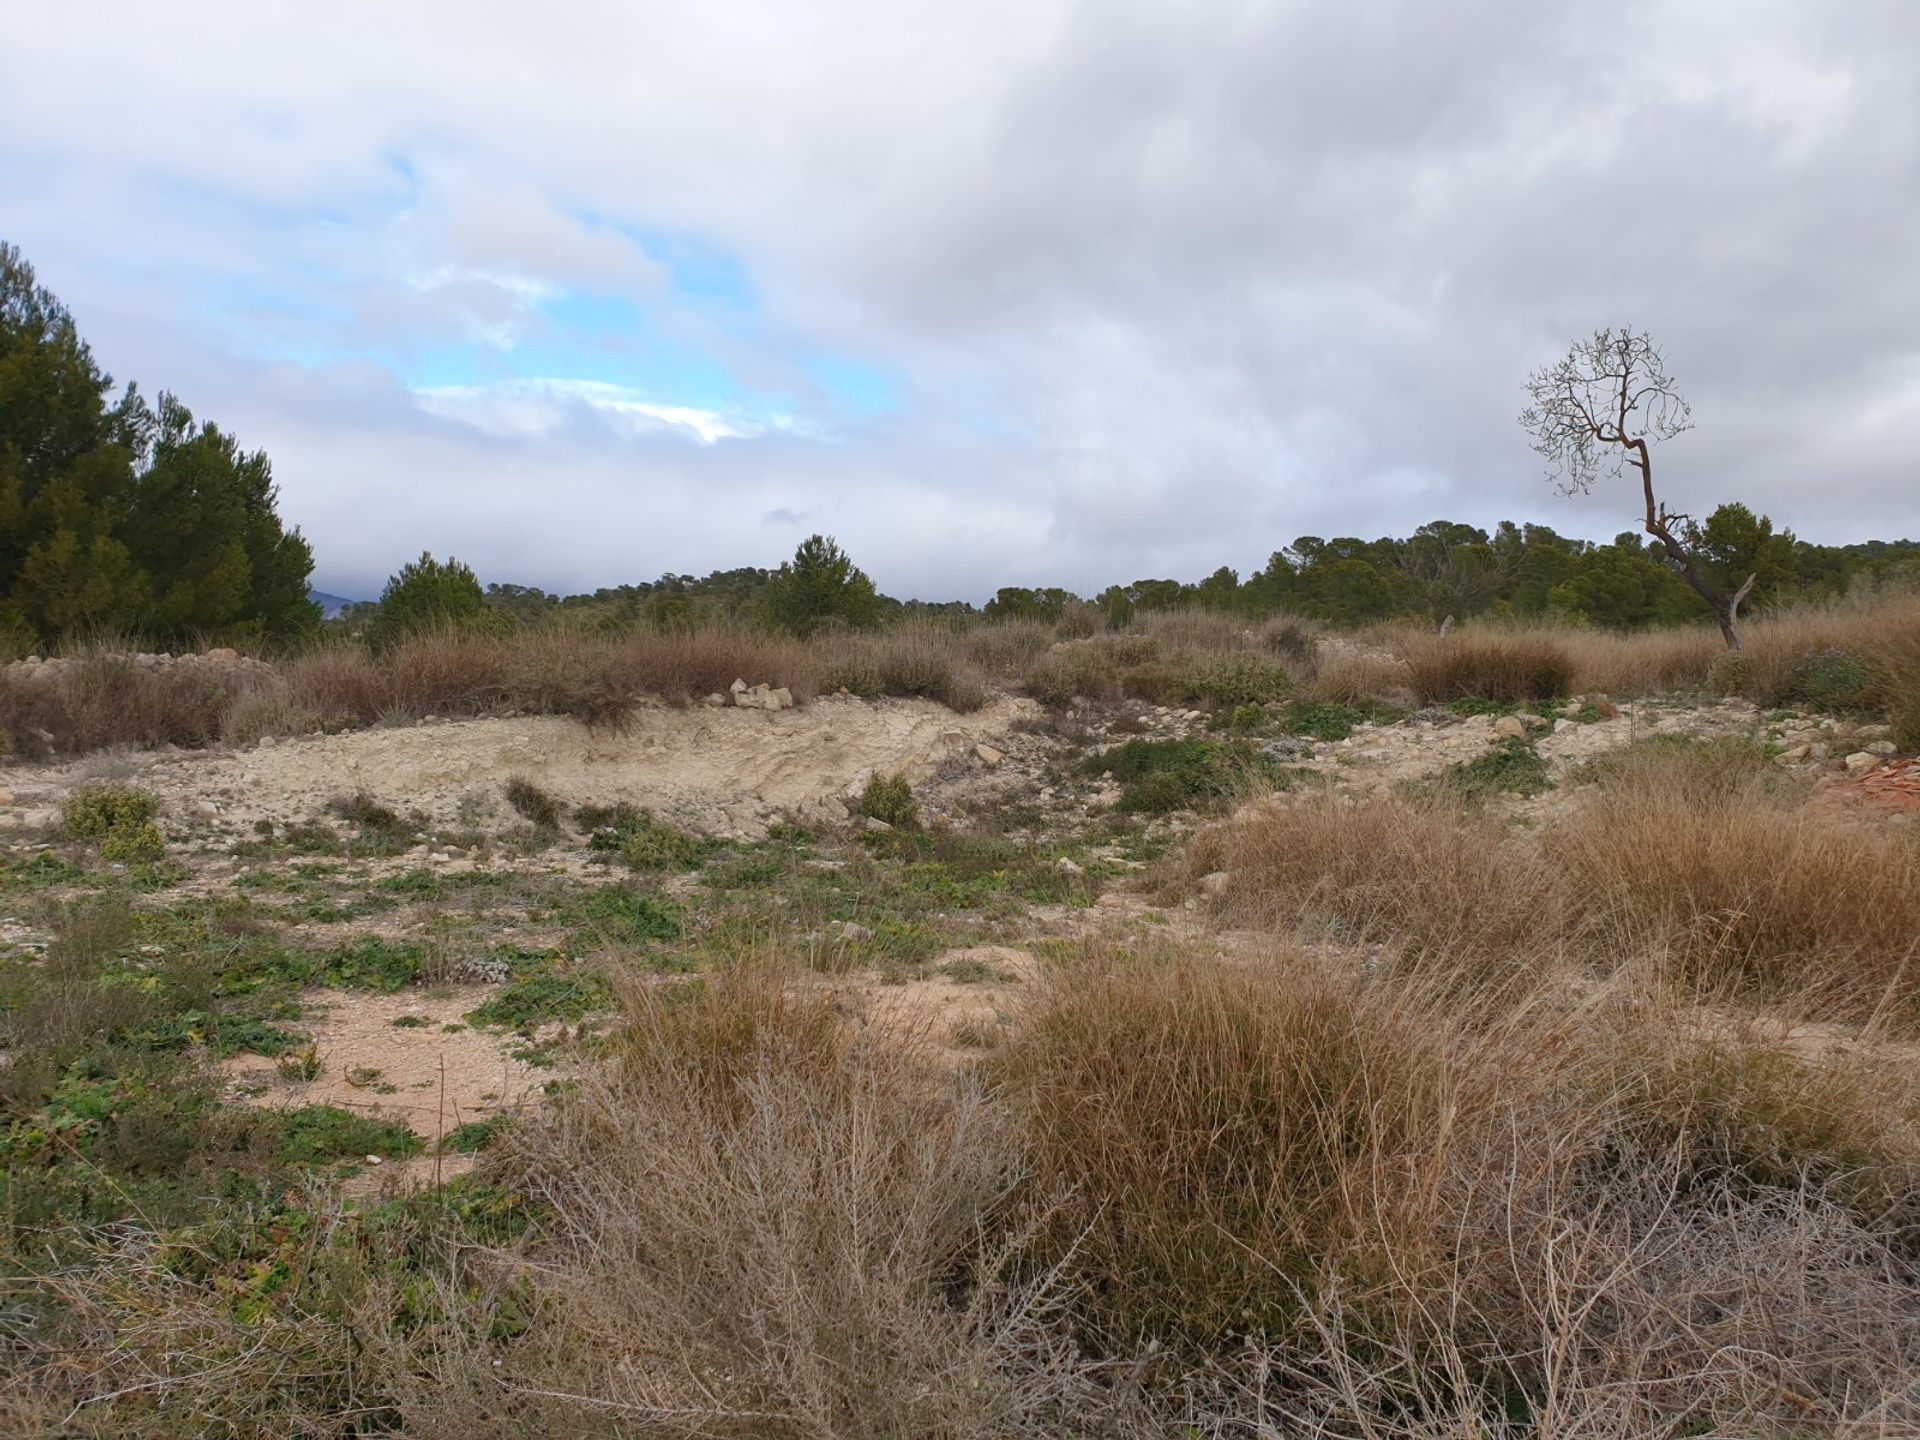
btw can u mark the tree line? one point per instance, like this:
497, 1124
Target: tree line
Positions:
121, 516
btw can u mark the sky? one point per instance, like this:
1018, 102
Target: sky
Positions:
1011, 292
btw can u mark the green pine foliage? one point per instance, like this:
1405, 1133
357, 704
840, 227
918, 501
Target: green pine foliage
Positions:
821, 587
428, 595
120, 516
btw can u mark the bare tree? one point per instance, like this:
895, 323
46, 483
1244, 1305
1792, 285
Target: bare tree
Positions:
1596, 414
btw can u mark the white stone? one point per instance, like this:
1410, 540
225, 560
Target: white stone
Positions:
1215, 883
876, 825
784, 696
1510, 727
716, 699
738, 687
988, 756
1879, 747
1067, 867
1860, 762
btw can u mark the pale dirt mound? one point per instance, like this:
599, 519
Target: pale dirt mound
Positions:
721, 771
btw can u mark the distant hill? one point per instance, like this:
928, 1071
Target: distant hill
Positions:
330, 605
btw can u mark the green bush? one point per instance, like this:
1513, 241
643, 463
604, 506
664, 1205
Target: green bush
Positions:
119, 821
429, 594
134, 845
1322, 722
642, 841
1242, 679
1835, 681
1160, 775
889, 798
1509, 767
98, 811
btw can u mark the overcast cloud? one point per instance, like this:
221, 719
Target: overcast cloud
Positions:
999, 293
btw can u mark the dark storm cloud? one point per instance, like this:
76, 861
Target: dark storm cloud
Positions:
1163, 286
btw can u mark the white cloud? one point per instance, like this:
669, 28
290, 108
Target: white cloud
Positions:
535, 408
1164, 285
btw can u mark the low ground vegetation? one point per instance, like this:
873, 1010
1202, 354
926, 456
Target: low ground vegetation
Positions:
1460, 1105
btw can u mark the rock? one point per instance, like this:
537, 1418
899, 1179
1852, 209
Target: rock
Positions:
1509, 727
1818, 750
222, 652
203, 810
1067, 867
1562, 725
739, 687
439, 857
267, 742
716, 699
784, 696
988, 756
1879, 747
1215, 883
375, 1160
849, 930
6, 798
877, 826
1860, 762
1794, 754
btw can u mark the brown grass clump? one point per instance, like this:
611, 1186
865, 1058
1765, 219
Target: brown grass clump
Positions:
759, 1228
1420, 874
1218, 1136
1421, 1213
1510, 667
923, 660
100, 699
1703, 855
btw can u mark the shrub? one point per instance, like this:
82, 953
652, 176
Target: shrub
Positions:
1156, 776
1508, 668
1414, 872
1077, 672
642, 841
1510, 766
1242, 679
140, 844
889, 798
1897, 664
428, 595
1704, 856
921, 661
1217, 1136
533, 804
97, 812
1834, 681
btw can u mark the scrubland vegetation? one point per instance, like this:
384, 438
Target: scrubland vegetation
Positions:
1422, 1122
1856, 656
1187, 1080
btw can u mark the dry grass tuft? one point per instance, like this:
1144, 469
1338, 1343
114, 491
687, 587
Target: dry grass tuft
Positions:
1420, 874
1703, 855
1510, 667
1216, 1135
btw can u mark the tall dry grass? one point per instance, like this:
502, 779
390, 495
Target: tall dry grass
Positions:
1190, 1196
1700, 859
1184, 658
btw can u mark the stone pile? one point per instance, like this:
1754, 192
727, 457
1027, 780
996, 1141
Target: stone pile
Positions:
754, 697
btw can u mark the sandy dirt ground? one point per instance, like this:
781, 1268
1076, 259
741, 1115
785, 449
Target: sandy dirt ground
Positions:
722, 771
